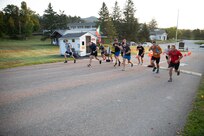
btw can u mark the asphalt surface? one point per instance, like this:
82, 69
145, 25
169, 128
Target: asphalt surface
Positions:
73, 100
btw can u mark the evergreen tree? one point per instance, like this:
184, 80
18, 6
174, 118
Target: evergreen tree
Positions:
49, 19
116, 15
130, 24
106, 23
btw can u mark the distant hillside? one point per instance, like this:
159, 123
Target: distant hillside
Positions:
90, 19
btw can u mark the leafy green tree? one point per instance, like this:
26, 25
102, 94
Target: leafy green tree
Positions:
153, 25
26, 21
11, 20
2, 30
144, 33
130, 24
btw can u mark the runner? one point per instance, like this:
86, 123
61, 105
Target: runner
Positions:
117, 45
103, 51
156, 49
174, 61
141, 52
126, 53
93, 54
167, 50
69, 51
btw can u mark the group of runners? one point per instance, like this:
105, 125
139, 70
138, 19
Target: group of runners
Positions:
173, 56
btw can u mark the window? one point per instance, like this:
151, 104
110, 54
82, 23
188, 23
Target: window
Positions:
82, 42
73, 40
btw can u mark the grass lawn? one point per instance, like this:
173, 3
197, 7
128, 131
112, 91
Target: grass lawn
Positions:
15, 53
195, 120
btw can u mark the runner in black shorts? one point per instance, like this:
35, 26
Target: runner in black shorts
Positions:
141, 52
94, 53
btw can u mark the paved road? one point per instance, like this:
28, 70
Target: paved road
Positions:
74, 100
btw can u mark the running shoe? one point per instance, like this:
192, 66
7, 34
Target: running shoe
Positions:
157, 71
74, 61
131, 65
65, 61
99, 61
154, 69
170, 80
178, 72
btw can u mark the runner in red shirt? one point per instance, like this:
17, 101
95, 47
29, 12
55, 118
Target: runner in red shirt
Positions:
174, 61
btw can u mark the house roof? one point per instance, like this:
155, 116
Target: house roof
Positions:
157, 32
73, 35
83, 24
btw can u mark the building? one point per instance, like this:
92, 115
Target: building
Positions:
79, 41
158, 34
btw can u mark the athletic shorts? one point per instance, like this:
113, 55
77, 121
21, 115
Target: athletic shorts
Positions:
157, 59
69, 53
117, 53
174, 65
141, 55
128, 57
94, 53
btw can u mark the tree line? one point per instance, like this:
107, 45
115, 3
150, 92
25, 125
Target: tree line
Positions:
22, 22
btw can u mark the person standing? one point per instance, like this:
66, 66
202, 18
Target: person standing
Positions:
126, 53
69, 51
116, 45
141, 52
174, 61
93, 54
156, 50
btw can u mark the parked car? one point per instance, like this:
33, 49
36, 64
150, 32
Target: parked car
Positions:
147, 44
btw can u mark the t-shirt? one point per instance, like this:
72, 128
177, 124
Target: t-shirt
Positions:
102, 48
68, 47
174, 55
126, 49
156, 51
141, 49
93, 47
117, 49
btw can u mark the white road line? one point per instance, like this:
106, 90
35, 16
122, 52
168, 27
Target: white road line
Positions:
182, 71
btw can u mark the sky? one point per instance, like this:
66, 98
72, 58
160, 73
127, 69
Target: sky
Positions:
188, 13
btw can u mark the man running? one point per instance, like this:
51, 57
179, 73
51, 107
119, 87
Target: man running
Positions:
156, 49
69, 51
117, 45
174, 61
141, 52
126, 53
93, 54
167, 50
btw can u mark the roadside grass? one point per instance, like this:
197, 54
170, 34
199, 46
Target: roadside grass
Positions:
15, 53
195, 121
200, 42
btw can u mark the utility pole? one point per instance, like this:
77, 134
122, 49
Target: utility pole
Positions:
177, 25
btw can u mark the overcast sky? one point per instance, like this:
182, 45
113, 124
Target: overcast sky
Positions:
163, 11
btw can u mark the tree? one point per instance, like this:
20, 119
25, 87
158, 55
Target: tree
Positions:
26, 23
106, 22
116, 15
1, 24
144, 33
11, 20
152, 25
49, 19
130, 24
